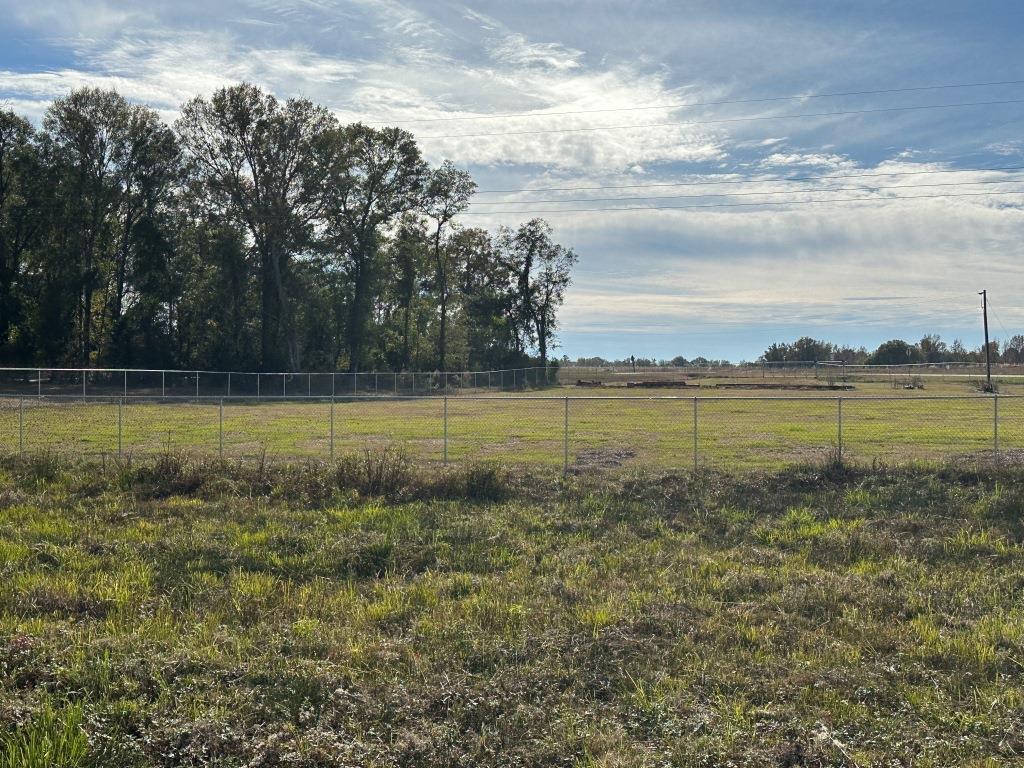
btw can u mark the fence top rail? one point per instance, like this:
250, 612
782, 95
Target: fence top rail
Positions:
194, 371
507, 398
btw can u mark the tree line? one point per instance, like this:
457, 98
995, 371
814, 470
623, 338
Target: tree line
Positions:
930, 349
255, 234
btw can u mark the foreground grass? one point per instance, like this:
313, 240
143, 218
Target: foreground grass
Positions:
311, 615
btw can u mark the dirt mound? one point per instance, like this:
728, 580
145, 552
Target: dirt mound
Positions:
788, 387
601, 458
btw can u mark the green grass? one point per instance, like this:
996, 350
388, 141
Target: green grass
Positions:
369, 613
766, 433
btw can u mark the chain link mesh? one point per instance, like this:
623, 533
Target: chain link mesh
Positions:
577, 433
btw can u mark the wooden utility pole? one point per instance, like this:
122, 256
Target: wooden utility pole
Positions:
988, 351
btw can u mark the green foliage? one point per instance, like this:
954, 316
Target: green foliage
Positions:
257, 234
54, 738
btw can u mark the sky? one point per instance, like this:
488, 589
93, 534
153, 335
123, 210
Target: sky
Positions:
638, 88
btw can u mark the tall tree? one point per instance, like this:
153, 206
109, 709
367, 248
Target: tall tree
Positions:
86, 130
550, 283
448, 192
21, 214
489, 302
376, 175
541, 270
261, 164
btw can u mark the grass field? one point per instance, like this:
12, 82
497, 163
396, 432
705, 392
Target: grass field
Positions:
651, 430
355, 614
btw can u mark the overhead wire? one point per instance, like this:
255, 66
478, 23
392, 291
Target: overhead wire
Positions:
774, 180
725, 120
738, 205
689, 105
747, 194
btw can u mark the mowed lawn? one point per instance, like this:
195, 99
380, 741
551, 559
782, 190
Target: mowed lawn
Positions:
621, 431
179, 614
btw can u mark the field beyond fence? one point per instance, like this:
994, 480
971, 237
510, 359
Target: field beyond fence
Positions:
575, 433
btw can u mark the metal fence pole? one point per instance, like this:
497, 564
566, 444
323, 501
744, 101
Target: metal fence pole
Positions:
39, 382
839, 408
331, 440
995, 427
21, 425
695, 433
163, 384
84, 373
229, 383
197, 385
284, 385
446, 429
565, 440
120, 408
126, 382
220, 416
257, 386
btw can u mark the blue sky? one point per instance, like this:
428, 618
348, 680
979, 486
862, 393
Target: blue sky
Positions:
718, 282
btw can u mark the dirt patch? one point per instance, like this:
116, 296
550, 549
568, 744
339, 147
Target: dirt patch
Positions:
789, 387
1007, 456
601, 458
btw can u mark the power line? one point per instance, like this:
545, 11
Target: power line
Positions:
739, 205
775, 180
722, 120
695, 104
747, 194
998, 319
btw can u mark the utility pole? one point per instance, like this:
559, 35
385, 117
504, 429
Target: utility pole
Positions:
988, 351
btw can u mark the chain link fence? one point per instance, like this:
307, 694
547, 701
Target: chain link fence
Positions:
573, 433
130, 382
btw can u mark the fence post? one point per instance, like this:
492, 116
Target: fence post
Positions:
84, 374
284, 385
839, 407
446, 429
120, 407
229, 383
39, 382
197, 385
331, 441
995, 426
257, 386
221, 428
695, 433
334, 383
21, 426
565, 441
163, 384
126, 382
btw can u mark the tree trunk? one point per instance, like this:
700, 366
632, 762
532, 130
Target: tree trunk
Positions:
357, 318
442, 341
268, 314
